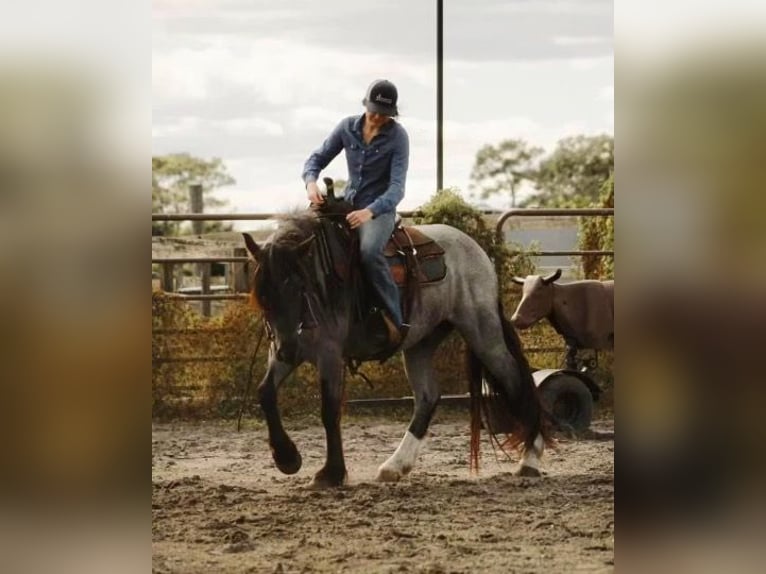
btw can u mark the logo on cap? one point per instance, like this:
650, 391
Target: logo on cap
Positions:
381, 98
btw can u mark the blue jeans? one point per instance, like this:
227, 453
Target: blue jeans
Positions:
373, 236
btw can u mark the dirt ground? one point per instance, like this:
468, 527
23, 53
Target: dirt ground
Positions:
220, 505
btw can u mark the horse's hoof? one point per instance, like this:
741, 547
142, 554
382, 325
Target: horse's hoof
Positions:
390, 474
324, 480
529, 471
289, 464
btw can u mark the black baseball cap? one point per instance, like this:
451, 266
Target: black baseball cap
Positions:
381, 98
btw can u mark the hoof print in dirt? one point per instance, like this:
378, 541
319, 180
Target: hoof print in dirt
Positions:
238, 547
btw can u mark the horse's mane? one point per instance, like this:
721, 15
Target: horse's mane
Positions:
293, 229
293, 234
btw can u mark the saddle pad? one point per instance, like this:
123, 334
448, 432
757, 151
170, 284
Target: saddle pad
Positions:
429, 255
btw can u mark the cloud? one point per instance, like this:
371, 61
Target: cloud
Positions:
548, 7
181, 127
249, 126
191, 126
523, 29
607, 93
262, 86
587, 64
582, 40
315, 118
273, 71
177, 76
223, 9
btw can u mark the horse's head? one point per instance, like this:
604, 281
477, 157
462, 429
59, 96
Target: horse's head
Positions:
278, 285
303, 272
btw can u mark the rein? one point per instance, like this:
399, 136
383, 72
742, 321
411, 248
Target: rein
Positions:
264, 329
331, 267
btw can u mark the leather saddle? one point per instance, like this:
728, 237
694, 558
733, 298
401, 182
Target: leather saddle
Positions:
415, 260
411, 251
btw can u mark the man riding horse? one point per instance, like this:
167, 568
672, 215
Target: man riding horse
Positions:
377, 153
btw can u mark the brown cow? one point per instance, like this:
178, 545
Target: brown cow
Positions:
582, 312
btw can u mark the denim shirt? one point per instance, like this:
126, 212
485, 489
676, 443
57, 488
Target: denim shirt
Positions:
376, 171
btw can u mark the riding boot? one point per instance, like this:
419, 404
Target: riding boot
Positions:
395, 335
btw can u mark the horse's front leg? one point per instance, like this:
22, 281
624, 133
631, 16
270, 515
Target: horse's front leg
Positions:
418, 364
333, 473
283, 450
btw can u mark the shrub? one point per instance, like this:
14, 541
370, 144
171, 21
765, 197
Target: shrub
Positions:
596, 234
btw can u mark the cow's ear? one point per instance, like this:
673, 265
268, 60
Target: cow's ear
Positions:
252, 246
552, 277
517, 280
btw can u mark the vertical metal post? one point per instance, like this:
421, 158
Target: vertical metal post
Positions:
197, 206
203, 269
241, 273
205, 290
439, 94
167, 277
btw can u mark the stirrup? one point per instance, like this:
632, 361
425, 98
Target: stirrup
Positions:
395, 335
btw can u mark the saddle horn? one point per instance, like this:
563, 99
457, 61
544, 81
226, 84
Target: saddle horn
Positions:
330, 187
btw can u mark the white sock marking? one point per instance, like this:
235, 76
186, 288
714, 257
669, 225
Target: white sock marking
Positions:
405, 455
531, 457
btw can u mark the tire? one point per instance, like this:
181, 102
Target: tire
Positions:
569, 402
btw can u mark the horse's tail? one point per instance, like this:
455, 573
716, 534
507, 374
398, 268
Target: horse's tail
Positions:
479, 406
527, 408
522, 417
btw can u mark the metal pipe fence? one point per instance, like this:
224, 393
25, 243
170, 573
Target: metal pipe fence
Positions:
555, 212
206, 297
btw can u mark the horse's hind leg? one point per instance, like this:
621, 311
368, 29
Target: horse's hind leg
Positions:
425, 388
484, 335
283, 450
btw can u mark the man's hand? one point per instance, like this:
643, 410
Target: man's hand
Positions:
356, 218
313, 192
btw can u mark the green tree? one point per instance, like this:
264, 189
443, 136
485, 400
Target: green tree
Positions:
171, 177
502, 168
573, 175
597, 234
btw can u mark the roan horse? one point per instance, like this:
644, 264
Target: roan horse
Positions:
312, 321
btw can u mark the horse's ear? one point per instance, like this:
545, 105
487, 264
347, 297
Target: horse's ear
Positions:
517, 280
252, 246
552, 277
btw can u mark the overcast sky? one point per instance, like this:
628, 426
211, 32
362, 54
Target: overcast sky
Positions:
261, 83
